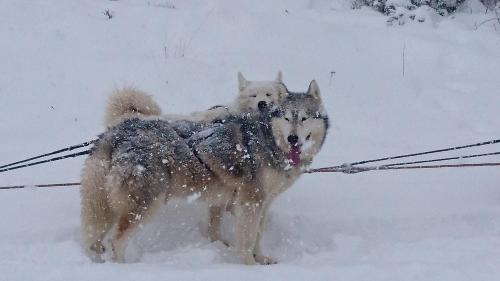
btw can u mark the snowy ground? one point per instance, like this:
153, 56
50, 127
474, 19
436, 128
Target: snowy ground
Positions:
59, 60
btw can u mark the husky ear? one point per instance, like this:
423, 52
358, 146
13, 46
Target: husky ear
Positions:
242, 82
314, 90
279, 78
283, 90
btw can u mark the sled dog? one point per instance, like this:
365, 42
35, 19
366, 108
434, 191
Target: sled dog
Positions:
252, 96
245, 161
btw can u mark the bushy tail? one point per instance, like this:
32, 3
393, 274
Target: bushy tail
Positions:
128, 103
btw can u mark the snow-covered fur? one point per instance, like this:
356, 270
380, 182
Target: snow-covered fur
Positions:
246, 161
129, 102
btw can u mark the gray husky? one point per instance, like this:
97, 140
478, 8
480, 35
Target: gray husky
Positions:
245, 162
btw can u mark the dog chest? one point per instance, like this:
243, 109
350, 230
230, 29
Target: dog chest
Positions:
275, 181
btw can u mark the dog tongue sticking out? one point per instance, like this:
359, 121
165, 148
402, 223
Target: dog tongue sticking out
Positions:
294, 155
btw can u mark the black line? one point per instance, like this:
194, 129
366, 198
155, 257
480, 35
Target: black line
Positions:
48, 160
427, 152
41, 185
441, 159
73, 147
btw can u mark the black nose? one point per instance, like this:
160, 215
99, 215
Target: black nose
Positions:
293, 139
262, 104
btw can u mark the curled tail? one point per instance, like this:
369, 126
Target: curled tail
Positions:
128, 103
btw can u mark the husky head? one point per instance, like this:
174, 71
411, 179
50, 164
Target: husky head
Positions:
299, 126
259, 95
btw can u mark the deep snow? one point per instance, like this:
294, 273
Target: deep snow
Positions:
60, 59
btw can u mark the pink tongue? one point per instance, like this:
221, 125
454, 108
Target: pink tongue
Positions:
294, 156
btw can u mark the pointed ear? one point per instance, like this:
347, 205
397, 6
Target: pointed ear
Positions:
242, 82
283, 91
279, 78
314, 90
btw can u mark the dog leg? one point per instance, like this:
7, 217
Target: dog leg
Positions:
96, 223
248, 217
129, 222
257, 252
127, 225
214, 224
96, 215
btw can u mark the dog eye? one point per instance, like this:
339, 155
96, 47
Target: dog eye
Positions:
268, 95
287, 119
253, 96
308, 137
304, 119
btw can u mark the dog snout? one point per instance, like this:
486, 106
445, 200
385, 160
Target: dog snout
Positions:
293, 139
262, 104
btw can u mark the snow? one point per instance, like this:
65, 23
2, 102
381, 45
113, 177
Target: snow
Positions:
60, 60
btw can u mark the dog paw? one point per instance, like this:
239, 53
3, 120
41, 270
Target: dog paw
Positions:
95, 252
97, 247
265, 260
225, 242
